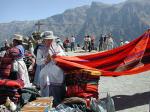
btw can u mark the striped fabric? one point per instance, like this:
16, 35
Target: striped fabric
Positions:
5, 67
9, 88
128, 59
11, 83
81, 85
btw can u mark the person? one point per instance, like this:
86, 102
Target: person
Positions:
89, 43
92, 42
31, 48
105, 38
5, 47
59, 42
37, 51
66, 44
51, 75
110, 43
101, 43
18, 53
86, 43
121, 42
72, 40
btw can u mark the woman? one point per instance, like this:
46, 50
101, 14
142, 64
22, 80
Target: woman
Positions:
39, 64
51, 76
19, 65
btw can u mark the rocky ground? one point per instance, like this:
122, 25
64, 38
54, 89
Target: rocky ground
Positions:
130, 93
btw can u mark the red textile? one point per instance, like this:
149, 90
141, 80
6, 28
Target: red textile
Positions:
11, 83
5, 66
128, 59
82, 90
14, 52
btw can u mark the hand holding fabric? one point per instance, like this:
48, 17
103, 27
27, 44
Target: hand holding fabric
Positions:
54, 56
48, 59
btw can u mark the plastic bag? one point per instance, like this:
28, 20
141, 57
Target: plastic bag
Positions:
102, 106
62, 108
110, 104
65, 108
97, 105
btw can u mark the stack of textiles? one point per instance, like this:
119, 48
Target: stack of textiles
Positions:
9, 88
82, 84
5, 67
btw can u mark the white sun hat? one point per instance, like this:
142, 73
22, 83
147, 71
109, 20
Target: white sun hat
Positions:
18, 37
48, 35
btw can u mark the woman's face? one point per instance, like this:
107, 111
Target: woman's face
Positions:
47, 42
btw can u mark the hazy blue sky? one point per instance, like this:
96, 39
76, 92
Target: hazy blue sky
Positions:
39, 9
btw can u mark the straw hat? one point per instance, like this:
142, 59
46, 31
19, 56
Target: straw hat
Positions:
48, 35
18, 37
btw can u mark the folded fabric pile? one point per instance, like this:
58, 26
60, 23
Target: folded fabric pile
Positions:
5, 67
82, 85
9, 88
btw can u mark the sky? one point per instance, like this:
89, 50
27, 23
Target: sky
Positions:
21, 10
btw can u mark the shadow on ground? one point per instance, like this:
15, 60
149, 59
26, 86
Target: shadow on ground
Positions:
125, 101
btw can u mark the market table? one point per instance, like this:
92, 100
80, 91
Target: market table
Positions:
38, 105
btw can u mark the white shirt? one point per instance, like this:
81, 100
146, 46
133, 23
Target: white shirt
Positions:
51, 73
72, 39
110, 41
43, 53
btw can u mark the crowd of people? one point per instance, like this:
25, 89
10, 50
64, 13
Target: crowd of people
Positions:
89, 43
48, 76
106, 42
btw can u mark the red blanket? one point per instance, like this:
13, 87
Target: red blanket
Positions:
128, 59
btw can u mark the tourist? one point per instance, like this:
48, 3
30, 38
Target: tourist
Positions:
72, 41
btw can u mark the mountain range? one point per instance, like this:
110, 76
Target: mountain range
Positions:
126, 20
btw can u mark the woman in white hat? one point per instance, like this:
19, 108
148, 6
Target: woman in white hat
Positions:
51, 77
19, 65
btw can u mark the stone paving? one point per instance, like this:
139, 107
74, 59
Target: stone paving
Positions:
130, 93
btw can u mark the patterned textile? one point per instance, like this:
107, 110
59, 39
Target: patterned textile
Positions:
11, 83
9, 88
5, 66
81, 85
14, 52
131, 58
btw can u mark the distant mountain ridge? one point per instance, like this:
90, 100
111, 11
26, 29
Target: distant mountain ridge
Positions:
126, 20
